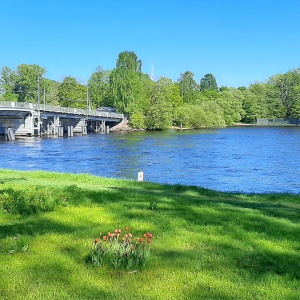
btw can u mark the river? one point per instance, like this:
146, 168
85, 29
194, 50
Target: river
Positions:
237, 159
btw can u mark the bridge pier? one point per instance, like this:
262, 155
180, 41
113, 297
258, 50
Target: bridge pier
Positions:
51, 125
70, 131
9, 134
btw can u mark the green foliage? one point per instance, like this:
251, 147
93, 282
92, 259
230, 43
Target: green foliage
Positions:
137, 119
128, 60
158, 116
72, 94
51, 89
287, 90
208, 83
29, 79
188, 87
231, 103
7, 84
207, 114
24, 84
164, 98
156, 105
126, 81
126, 88
121, 252
250, 106
99, 88
31, 201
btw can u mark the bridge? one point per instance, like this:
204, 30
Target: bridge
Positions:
31, 119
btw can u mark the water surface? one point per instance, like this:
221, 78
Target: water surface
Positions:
248, 159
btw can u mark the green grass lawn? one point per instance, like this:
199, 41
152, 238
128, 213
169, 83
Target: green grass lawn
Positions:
206, 245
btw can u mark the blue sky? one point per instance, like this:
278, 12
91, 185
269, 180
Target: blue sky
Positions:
238, 41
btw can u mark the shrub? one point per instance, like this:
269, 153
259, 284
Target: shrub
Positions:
118, 251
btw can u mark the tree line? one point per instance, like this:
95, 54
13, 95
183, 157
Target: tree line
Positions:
156, 105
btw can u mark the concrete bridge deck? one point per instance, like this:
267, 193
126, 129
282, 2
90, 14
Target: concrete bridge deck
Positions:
36, 119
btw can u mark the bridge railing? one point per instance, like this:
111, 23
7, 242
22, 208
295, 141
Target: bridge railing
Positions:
11, 104
60, 109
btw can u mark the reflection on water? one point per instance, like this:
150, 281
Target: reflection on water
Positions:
249, 159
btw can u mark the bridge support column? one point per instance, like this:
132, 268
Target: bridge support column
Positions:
60, 131
84, 130
70, 131
37, 123
53, 127
9, 134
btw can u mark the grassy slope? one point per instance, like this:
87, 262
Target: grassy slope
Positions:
207, 245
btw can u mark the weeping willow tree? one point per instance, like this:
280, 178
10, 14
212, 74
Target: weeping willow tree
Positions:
126, 82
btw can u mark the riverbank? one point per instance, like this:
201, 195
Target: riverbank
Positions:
206, 245
125, 126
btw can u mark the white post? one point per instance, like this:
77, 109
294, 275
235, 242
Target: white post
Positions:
140, 176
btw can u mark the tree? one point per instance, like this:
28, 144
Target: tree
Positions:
128, 60
250, 106
72, 94
29, 82
163, 99
126, 81
51, 89
99, 88
188, 87
287, 86
231, 103
208, 83
139, 107
7, 84
24, 84
214, 115
207, 114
